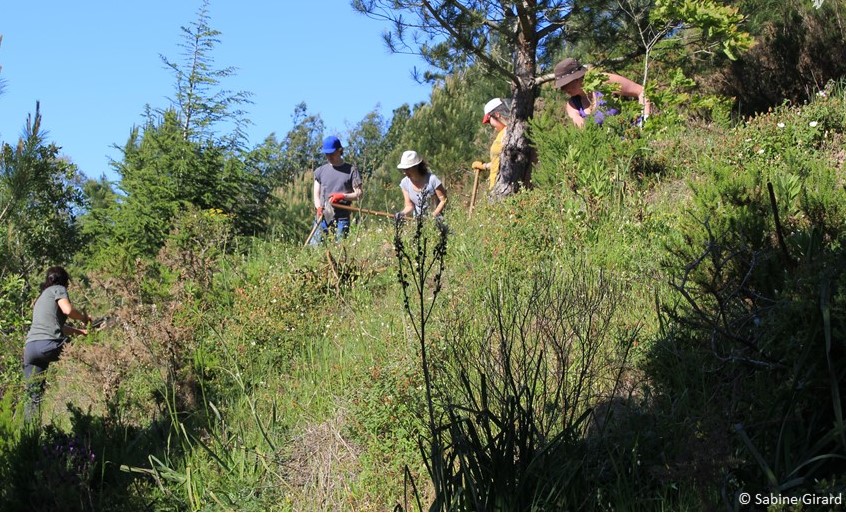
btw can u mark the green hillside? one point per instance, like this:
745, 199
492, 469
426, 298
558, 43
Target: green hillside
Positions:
656, 322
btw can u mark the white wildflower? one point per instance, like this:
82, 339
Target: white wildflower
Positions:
813, 124
761, 151
781, 125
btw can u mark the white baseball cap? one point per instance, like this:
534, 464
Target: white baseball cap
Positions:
489, 107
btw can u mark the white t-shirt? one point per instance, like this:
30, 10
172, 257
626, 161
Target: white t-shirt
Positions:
428, 191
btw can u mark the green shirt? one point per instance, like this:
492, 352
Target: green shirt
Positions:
47, 317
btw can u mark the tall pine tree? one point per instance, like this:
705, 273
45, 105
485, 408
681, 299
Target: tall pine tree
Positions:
514, 40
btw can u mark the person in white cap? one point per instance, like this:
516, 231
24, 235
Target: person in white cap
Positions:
422, 190
497, 115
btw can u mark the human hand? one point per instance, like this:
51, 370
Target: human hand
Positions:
478, 164
336, 197
399, 216
319, 212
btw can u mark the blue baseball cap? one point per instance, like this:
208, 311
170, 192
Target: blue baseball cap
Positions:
330, 144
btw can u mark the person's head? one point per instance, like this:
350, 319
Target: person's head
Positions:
411, 162
56, 276
333, 149
497, 113
569, 76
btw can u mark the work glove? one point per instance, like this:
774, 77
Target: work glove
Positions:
399, 216
337, 197
478, 165
320, 212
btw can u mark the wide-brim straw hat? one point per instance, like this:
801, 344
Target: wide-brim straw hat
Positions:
568, 70
409, 159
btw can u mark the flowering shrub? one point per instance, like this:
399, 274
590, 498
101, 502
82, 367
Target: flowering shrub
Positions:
48, 470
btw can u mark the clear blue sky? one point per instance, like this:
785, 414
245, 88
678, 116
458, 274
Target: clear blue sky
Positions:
94, 65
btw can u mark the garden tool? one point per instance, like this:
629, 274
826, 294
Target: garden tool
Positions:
362, 210
475, 186
102, 322
97, 324
316, 224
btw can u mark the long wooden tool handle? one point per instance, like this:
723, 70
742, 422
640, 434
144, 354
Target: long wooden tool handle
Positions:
473, 196
362, 210
310, 235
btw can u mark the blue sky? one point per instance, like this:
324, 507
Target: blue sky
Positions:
95, 64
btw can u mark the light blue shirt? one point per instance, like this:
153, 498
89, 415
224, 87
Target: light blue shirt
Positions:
417, 196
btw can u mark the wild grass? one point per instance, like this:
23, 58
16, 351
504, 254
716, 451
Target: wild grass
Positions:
630, 335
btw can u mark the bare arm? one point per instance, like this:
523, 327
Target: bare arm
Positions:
631, 89
409, 206
69, 310
68, 330
316, 195
628, 88
354, 195
440, 192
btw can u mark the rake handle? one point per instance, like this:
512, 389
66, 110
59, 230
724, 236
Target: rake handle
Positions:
363, 210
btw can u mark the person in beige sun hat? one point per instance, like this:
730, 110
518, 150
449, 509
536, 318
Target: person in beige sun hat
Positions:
423, 192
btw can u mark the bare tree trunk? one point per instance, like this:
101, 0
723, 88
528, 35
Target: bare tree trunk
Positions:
515, 163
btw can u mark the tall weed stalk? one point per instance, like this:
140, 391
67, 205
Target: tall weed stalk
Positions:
521, 389
420, 267
510, 402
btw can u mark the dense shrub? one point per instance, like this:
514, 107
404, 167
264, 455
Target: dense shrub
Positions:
796, 55
759, 278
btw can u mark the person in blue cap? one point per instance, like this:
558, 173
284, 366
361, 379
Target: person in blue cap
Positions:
336, 182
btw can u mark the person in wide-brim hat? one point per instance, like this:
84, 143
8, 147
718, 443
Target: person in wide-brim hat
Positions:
583, 105
423, 192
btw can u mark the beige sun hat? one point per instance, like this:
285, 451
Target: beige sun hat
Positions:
409, 159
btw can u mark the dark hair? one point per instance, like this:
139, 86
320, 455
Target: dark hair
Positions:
422, 167
56, 276
503, 111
